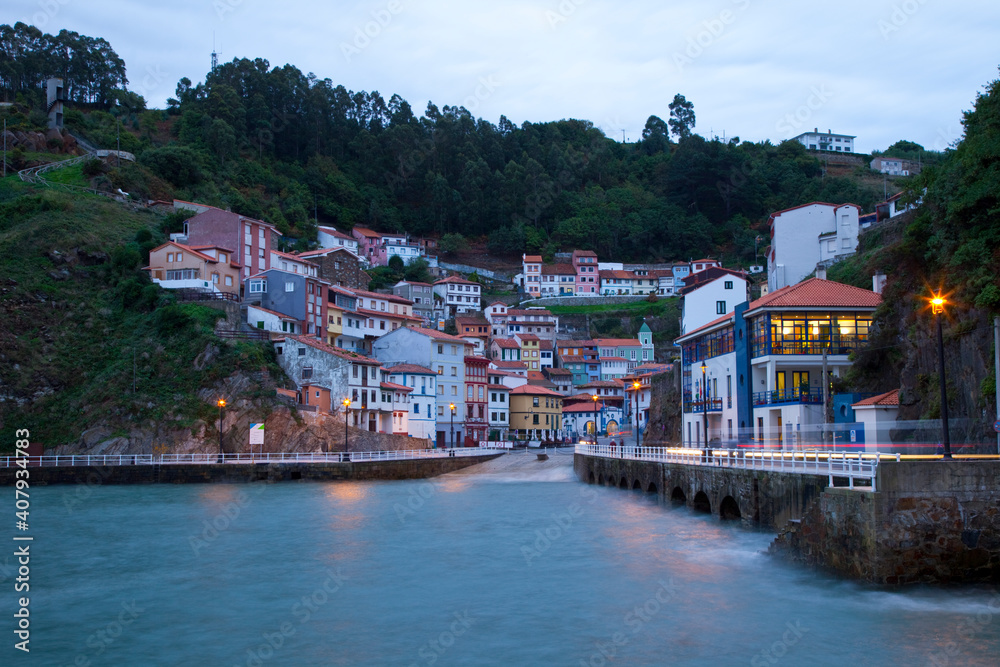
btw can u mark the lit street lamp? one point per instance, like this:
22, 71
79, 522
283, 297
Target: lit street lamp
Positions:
451, 406
222, 404
595, 418
635, 388
704, 402
937, 307
347, 412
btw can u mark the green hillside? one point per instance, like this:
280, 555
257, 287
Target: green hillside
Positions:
74, 308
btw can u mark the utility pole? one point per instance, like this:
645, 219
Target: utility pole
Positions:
5, 148
826, 397
996, 369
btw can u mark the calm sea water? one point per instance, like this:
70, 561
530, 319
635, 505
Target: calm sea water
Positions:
491, 570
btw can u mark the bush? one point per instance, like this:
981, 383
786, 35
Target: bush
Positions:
93, 168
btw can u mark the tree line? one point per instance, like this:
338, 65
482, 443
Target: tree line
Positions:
90, 69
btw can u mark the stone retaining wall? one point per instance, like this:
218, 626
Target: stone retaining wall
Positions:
931, 521
248, 472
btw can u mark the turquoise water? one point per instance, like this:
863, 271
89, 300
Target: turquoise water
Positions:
488, 570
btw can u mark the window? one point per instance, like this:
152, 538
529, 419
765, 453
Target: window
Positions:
416, 409
229, 281
534, 417
170, 257
302, 351
307, 373
440, 349
440, 370
454, 390
454, 371
729, 284
534, 402
440, 411
720, 307
441, 390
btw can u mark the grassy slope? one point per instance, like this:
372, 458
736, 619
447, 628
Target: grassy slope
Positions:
66, 345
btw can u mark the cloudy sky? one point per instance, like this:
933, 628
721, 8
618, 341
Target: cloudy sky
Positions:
882, 70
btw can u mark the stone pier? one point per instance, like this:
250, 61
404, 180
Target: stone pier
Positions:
928, 522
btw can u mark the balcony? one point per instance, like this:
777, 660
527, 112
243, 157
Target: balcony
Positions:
788, 396
713, 405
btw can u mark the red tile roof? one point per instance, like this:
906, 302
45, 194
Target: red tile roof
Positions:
364, 231
602, 384
889, 398
813, 203
410, 368
518, 312
532, 259
617, 342
508, 343
273, 312
395, 387
518, 365
329, 349
438, 335
378, 295
454, 279
558, 270
535, 390
336, 232
527, 337
817, 293
728, 317
292, 257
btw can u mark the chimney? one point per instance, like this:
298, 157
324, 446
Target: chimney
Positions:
821, 272
878, 282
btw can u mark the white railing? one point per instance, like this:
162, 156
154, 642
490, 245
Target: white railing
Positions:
71, 460
831, 464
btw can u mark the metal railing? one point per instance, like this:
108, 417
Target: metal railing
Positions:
773, 397
831, 464
72, 460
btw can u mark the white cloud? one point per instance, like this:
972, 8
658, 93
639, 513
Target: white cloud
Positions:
895, 68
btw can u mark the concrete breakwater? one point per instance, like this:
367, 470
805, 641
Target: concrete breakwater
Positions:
928, 522
195, 473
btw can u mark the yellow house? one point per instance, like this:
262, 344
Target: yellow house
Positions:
529, 350
335, 323
177, 266
536, 412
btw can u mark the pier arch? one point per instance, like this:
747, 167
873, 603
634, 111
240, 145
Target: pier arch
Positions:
729, 509
702, 503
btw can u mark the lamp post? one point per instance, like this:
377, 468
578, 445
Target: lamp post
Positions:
594, 397
635, 388
704, 402
222, 404
347, 413
937, 307
451, 406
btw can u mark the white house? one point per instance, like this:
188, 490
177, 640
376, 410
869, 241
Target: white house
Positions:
826, 141
805, 236
422, 399
878, 415
499, 406
459, 295
328, 237
710, 293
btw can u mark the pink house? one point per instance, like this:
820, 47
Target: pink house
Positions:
587, 277
370, 246
250, 241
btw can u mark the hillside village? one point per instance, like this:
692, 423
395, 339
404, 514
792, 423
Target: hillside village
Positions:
387, 362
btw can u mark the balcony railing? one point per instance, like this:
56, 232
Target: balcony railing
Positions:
713, 405
813, 396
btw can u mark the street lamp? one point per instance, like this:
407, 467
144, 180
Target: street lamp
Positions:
222, 404
347, 412
451, 406
594, 397
635, 388
704, 402
937, 308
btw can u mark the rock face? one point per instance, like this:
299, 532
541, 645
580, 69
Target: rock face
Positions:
286, 428
664, 426
929, 522
51, 141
